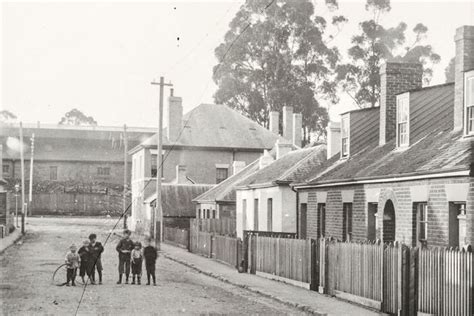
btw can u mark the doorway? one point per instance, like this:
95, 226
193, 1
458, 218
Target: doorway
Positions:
371, 220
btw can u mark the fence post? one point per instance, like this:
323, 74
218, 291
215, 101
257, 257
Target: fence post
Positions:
314, 264
22, 223
412, 282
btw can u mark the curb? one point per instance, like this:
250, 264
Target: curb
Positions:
13, 242
303, 308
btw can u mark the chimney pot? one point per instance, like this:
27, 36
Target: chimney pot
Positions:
173, 117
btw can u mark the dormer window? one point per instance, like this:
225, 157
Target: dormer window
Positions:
469, 102
345, 136
402, 120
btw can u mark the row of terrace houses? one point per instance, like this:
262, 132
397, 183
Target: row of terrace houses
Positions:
404, 171
400, 171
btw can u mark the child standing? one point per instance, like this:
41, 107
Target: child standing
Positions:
124, 248
86, 261
150, 254
72, 261
137, 259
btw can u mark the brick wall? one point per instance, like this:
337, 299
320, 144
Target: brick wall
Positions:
401, 195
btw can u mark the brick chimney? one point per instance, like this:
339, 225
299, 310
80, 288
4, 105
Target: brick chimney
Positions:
237, 166
288, 122
395, 78
181, 174
173, 117
274, 125
297, 129
282, 148
464, 60
333, 139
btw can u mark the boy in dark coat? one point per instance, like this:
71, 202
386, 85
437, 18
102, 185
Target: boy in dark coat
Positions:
86, 261
150, 253
124, 249
96, 250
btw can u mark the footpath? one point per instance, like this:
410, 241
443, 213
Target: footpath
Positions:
302, 299
9, 240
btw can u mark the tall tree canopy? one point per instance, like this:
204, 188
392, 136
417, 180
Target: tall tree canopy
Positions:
76, 117
7, 116
376, 44
276, 53
449, 71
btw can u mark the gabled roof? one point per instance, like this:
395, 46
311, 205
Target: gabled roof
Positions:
225, 191
287, 169
218, 126
178, 198
438, 150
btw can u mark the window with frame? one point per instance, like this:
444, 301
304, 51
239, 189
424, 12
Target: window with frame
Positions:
270, 215
221, 174
255, 214
6, 169
347, 222
469, 103
214, 213
244, 214
422, 222
345, 136
53, 173
103, 171
321, 219
402, 121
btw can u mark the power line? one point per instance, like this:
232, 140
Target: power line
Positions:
170, 150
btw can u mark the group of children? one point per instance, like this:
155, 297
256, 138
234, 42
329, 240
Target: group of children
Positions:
132, 254
88, 259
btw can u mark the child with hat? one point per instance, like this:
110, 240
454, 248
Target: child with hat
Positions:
73, 261
137, 259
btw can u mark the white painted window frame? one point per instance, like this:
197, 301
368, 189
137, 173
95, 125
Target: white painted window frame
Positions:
406, 98
468, 79
348, 135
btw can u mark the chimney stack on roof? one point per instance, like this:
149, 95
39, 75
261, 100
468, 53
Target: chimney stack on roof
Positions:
265, 160
274, 124
395, 78
282, 148
297, 129
333, 139
181, 174
237, 166
464, 61
288, 122
173, 117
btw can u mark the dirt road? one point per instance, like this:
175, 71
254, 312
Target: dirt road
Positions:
26, 270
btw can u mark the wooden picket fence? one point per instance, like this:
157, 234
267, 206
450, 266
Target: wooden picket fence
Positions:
284, 258
176, 236
445, 281
392, 278
221, 226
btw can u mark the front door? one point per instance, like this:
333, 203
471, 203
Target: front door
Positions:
303, 220
454, 211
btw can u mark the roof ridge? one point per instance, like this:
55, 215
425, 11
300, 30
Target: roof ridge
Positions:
306, 157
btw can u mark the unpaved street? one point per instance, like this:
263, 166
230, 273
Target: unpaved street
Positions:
26, 270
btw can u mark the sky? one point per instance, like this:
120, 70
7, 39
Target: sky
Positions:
101, 57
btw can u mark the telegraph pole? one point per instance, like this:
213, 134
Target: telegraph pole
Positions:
158, 208
22, 167
125, 176
30, 198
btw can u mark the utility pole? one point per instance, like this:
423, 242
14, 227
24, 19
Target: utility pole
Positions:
125, 176
22, 167
30, 198
158, 208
